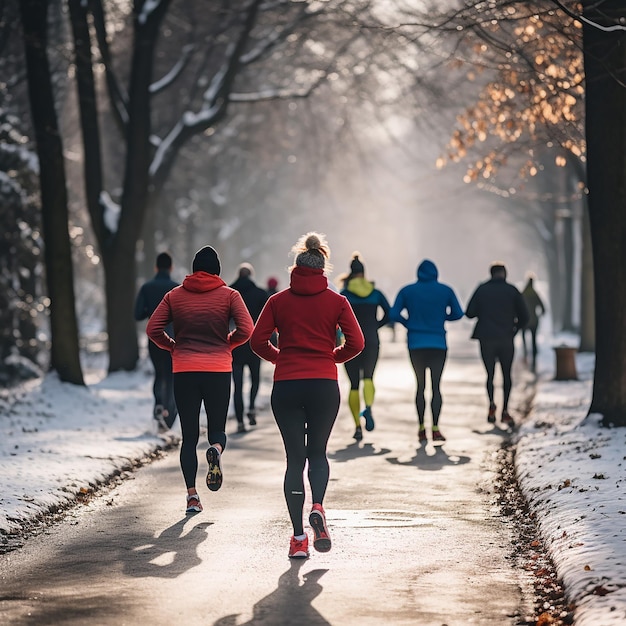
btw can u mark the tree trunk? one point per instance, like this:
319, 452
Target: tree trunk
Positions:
605, 71
119, 257
65, 354
587, 301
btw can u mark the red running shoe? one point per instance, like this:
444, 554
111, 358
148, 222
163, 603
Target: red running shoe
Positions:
193, 503
438, 436
507, 419
321, 538
491, 417
421, 435
299, 548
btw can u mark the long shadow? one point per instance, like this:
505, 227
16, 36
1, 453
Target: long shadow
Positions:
170, 554
290, 604
356, 450
432, 462
493, 429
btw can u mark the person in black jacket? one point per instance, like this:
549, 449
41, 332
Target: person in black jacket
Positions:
501, 312
150, 295
255, 298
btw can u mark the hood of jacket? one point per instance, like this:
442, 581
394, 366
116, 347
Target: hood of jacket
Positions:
360, 287
202, 281
427, 271
307, 281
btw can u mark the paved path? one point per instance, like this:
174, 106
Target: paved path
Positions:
417, 539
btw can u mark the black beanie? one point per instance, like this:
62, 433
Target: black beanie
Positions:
356, 267
206, 260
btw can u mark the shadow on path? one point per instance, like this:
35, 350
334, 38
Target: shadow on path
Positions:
290, 604
170, 554
431, 462
356, 450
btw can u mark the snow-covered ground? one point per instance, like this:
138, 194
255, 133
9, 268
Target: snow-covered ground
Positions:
58, 441
573, 473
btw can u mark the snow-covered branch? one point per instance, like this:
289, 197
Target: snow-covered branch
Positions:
582, 18
175, 72
111, 212
276, 36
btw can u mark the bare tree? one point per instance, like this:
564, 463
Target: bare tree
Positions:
59, 272
217, 71
555, 100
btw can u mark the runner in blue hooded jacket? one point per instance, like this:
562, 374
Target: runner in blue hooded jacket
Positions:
428, 304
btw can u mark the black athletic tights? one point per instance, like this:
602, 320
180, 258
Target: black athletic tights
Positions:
433, 359
305, 411
503, 350
191, 389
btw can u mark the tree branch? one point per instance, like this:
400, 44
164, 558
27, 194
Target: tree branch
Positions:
175, 72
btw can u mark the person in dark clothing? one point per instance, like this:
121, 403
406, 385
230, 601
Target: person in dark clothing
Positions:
536, 309
365, 300
500, 311
429, 304
255, 299
148, 298
305, 395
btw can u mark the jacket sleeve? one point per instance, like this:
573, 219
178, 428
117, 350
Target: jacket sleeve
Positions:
384, 305
472, 306
521, 311
395, 313
263, 330
243, 321
141, 310
456, 312
155, 329
354, 341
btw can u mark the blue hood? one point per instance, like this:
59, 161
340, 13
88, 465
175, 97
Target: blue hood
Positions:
427, 271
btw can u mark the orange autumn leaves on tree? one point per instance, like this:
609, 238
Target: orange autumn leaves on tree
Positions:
536, 97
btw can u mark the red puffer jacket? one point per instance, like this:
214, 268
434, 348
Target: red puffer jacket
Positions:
201, 310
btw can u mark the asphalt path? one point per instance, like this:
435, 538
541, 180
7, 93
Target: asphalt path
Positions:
417, 534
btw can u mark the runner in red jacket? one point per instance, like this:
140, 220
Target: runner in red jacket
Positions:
305, 395
200, 310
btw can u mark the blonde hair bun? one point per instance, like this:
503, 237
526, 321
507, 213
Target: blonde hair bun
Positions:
312, 250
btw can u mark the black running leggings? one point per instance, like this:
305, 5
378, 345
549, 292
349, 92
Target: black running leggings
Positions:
492, 350
305, 411
433, 359
253, 362
163, 387
191, 389
363, 365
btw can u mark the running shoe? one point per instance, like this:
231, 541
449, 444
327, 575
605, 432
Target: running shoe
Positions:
369, 420
507, 419
491, 417
321, 538
214, 475
299, 548
358, 433
193, 503
252, 418
421, 435
160, 413
241, 428
437, 435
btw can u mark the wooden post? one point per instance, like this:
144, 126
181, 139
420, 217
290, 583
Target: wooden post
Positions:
565, 363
